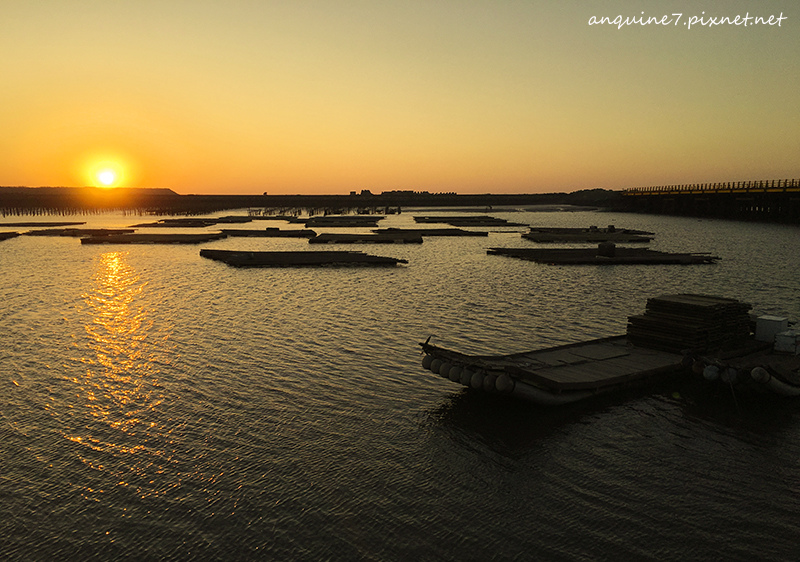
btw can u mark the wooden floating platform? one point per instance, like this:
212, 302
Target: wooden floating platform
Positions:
381, 238
341, 221
270, 232
197, 222
192, 222
556, 375
298, 259
153, 238
432, 231
577, 371
8, 235
594, 256
467, 220
591, 234
40, 224
79, 232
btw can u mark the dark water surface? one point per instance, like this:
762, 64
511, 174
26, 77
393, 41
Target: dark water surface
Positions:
157, 405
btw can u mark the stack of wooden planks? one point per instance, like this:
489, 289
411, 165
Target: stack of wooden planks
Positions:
697, 323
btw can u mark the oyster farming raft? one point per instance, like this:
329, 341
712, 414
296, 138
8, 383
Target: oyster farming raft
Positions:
716, 338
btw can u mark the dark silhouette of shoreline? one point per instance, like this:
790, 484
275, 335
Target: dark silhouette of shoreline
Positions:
81, 200
768, 205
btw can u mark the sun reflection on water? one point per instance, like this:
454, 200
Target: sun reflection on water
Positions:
120, 388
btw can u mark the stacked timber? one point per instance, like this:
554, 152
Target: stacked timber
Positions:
697, 323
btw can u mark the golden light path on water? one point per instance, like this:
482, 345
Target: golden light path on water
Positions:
119, 387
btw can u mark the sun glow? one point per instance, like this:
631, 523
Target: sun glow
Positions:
106, 177
106, 174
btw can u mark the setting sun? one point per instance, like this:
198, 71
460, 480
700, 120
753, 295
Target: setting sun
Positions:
106, 173
106, 177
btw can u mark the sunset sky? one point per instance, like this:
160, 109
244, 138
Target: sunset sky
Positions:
329, 96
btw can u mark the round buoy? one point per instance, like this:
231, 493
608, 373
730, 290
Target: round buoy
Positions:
444, 370
466, 376
504, 384
435, 364
728, 375
477, 380
697, 366
455, 373
489, 382
760, 374
426, 362
711, 373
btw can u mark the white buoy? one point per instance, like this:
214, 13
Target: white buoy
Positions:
466, 376
455, 373
435, 364
444, 370
504, 384
426, 362
476, 381
760, 375
711, 373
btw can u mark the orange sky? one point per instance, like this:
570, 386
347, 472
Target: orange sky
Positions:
332, 96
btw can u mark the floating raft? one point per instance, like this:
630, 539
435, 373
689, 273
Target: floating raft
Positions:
601, 256
432, 231
197, 222
178, 223
380, 238
153, 238
345, 221
270, 232
297, 259
557, 375
591, 234
79, 232
468, 220
41, 224
573, 372
8, 235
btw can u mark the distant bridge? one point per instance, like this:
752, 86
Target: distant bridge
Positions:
762, 200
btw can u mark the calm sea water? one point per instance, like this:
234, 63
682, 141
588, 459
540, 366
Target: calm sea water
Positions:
157, 405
